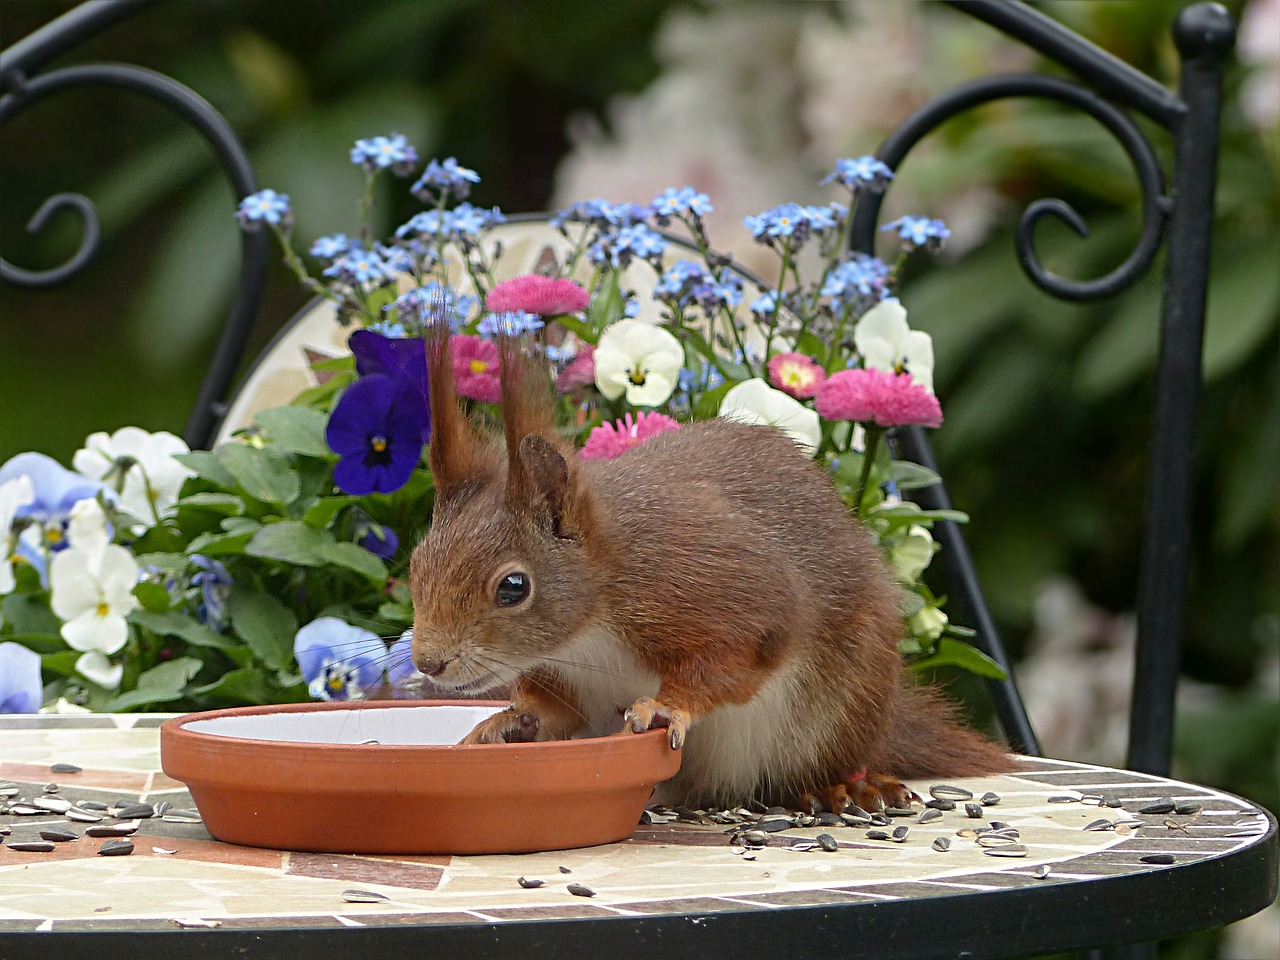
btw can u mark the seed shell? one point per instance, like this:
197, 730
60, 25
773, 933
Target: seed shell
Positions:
364, 896
830, 820
942, 844
1099, 825
112, 830
1161, 858
1012, 850
1187, 807
928, 816
973, 811
1163, 805
26, 810
529, 884
990, 799
83, 816
1062, 798
116, 848
92, 805
877, 835
58, 835
32, 846
133, 811
936, 804
578, 890
1041, 871
52, 804
827, 842
64, 768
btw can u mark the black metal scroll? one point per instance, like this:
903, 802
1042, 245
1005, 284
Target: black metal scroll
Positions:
1204, 34
21, 89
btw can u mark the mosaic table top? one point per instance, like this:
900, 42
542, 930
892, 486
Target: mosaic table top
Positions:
1077, 824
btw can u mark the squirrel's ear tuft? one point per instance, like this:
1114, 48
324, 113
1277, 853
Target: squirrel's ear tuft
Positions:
549, 486
454, 452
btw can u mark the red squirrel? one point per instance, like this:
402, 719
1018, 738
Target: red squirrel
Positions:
710, 580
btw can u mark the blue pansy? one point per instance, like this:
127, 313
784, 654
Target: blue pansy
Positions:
919, 231
20, 688
265, 206
381, 153
855, 172
512, 323
339, 661
215, 585
446, 177
376, 431
57, 490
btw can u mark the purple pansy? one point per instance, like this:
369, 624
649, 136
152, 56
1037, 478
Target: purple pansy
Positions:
215, 585
376, 430
339, 661
20, 688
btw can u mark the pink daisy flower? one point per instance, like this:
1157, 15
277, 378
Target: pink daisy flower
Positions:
879, 397
534, 293
578, 372
475, 367
796, 374
611, 439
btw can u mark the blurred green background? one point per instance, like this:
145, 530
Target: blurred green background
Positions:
1048, 403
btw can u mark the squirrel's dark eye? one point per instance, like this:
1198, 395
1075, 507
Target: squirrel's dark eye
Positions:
512, 589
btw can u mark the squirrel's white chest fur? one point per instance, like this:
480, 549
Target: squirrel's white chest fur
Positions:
731, 752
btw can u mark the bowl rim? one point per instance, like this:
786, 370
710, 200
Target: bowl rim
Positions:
558, 750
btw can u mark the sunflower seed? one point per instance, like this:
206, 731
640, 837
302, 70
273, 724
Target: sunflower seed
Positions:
364, 896
181, 816
1187, 807
578, 890
1091, 800
855, 821
58, 835
827, 842
940, 804
879, 819
529, 884
830, 820
900, 833
565, 870
52, 804
1062, 798
132, 811
942, 844
5, 830
755, 838
112, 830
32, 846
1098, 826
116, 848
853, 810
52, 787
92, 805
998, 825
773, 825
26, 810
64, 768
82, 816
1161, 858
990, 799
928, 816
1163, 805
877, 835
1041, 871
9, 789
991, 840
946, 791
899, 812
1110, 800
973, 811
162, 807
1012, 850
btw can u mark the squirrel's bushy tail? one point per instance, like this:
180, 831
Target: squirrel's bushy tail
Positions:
924, 738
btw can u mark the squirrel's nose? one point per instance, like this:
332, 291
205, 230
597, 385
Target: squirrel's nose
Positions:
433, 667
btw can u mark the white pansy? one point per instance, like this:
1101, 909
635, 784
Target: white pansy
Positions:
754, 401
638, 359
93, 594
153, 478
911, 556
886, 343
14, 495
87, 529
95, 666
927, 623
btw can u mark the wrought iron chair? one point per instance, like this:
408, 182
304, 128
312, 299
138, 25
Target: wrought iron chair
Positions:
1104, 87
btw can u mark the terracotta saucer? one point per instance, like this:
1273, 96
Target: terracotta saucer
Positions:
390, 777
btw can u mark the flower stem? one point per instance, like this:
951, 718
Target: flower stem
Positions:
870, 448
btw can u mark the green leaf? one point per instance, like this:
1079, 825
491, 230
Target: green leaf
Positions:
169, 562
582, 329
227, 504
731, 370
62, 662
152, 596
352, 556
28, 613
220, 544
290, 541
707, 405
321, 513
296, 430
264, 474
174, 624
246, 685
265, 624
953, 653
41, 643
607, 302
162, 683
1243, 308
343, 364
912, 476
206, 464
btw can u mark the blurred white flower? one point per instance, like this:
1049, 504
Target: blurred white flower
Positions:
1259, 46
14, 495
139, 465
638, 359
63, 705
912, 555
95, 666
93, 593
927, 623
887, 343
754, 401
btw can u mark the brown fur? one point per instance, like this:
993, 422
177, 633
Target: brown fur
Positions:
715, 560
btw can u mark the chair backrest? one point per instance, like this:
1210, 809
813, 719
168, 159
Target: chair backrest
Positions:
1104, 89
1204, 34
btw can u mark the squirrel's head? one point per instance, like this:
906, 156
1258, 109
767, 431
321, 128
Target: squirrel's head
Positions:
500, 579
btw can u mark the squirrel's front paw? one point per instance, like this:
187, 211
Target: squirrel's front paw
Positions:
512, 725
647, 713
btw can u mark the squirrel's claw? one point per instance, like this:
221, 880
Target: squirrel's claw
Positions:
868, 791
509, 726
647, 713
